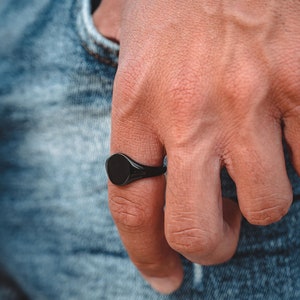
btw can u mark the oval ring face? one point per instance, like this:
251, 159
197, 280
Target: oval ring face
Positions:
118, 169
122, 170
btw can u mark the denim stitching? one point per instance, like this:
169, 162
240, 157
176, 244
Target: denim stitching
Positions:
97, 56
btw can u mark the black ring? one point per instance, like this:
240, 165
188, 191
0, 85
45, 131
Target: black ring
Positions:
123, 170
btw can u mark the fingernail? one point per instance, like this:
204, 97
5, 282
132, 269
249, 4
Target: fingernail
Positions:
165, 285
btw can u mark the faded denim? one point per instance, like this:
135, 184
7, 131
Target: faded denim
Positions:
57, 238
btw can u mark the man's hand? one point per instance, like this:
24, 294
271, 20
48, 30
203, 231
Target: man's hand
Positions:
210, 84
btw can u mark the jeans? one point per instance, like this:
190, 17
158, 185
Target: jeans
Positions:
57, 238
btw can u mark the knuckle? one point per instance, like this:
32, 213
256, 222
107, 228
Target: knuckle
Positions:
286, 81
244, 81
124, 83
267, 211
190, 241
129, 85
127, 101
185, 104
127, 213
183, 92
288, 73
289, 77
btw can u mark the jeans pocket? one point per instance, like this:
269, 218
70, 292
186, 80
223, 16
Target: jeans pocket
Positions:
103, 49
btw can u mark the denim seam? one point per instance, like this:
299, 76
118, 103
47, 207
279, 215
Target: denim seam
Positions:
99, 57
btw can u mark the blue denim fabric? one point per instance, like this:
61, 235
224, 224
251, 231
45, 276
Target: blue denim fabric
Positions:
57, 238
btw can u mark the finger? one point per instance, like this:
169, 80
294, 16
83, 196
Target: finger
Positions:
199, 225
256, 163
138, 211
292, 136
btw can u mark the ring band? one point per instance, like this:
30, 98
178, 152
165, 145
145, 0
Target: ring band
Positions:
122, 170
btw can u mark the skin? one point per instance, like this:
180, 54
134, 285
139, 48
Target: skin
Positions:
210, 84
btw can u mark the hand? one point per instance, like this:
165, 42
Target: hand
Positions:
210, 84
